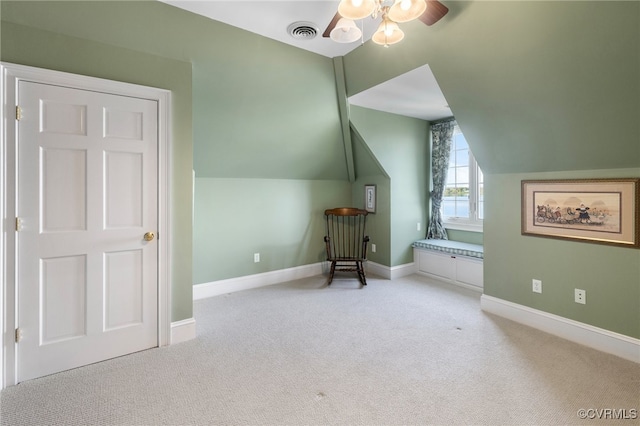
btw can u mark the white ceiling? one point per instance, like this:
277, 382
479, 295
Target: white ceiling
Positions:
414, 94
271, 18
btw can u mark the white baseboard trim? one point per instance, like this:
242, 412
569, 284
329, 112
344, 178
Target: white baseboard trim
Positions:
597, 338
217, 288
247, 282
451, 282
392, 272
183, 330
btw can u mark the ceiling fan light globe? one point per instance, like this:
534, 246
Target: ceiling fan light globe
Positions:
356, 9
345, 31
387, 33
399, 12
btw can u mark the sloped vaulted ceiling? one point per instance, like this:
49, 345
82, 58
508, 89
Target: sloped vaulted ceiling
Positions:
535, 86
261, 108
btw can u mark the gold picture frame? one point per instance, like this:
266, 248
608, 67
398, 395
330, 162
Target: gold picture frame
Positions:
602, 211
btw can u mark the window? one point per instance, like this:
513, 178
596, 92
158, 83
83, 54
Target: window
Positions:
463, 200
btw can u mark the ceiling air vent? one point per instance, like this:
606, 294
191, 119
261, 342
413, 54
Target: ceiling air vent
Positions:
302, 30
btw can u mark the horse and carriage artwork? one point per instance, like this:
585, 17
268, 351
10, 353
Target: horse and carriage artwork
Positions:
574, 211
602, 211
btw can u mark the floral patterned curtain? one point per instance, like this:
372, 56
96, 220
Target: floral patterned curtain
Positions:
441, 135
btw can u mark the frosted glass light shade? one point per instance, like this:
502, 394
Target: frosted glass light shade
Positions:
345, 31
387, 33
356, 9
407, 10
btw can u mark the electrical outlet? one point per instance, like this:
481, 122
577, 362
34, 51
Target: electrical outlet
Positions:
536, 286
256, 257
581, 296
373, 248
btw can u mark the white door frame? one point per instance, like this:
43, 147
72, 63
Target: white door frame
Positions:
11, 74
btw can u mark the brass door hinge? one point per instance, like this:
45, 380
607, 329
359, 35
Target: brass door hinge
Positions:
18, 113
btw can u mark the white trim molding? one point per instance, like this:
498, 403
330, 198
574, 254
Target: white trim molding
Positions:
390, 272
247, 282
451, 282
183, 330
597, 338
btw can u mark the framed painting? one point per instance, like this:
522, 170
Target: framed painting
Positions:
603, 211
370, 198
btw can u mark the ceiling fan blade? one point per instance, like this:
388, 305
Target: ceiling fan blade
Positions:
331, 25
435, 11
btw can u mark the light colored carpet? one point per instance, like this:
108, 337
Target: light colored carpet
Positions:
410, 351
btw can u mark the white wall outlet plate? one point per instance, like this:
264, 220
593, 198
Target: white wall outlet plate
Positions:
581, 296
536, 286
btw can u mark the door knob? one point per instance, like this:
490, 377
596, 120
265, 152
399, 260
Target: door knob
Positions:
149, 236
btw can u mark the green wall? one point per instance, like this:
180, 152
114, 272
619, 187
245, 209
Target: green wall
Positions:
283, 220
610, 275
370, 172
29, 46
401, 145
466, 236
264, 113
540, 90
531, 83
261, 108
279, 123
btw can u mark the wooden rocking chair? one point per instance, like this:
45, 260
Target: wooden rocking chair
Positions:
346, 241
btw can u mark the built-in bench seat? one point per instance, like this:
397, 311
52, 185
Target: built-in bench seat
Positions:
453, 261
452, 247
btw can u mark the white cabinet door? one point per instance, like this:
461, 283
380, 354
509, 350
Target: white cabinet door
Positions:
87, 195
441, 265
469, 271
457, 269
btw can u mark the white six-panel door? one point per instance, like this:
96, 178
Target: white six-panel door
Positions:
87, 195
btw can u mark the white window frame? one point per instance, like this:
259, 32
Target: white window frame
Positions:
473, 222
